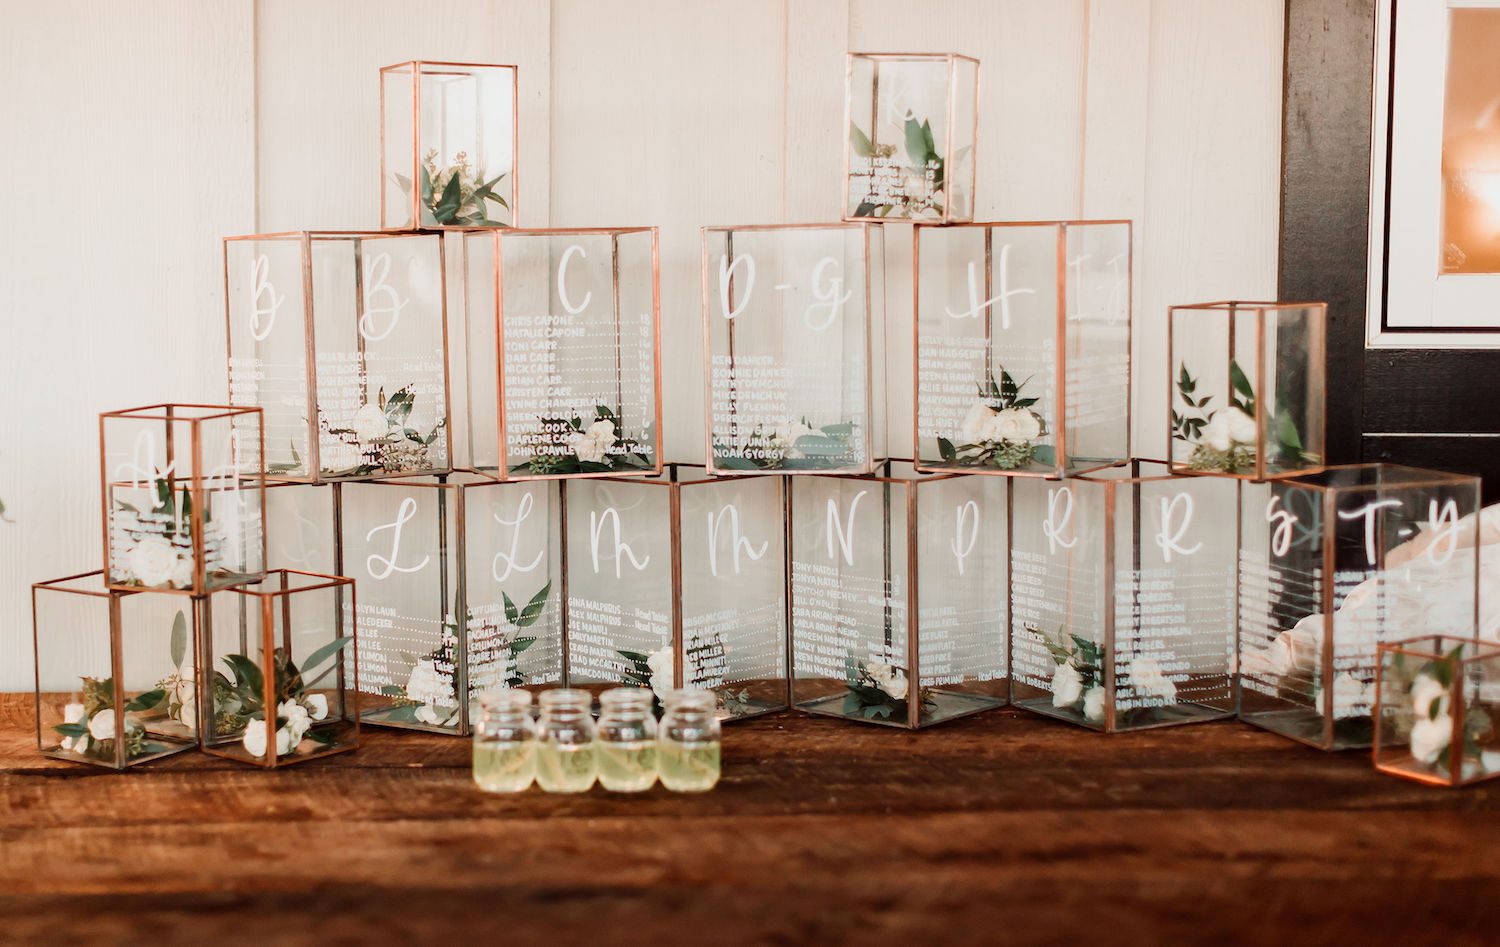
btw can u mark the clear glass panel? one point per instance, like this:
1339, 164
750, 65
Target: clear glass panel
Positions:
1292, 413
1096, 408
789, 319
734, 591
400, 545
268, 345
578, 312
962, 586
1174, 610
988, 339
300, 527
85, 709
1060, 535
1471, 144
850, 599
961, 165
461, 172
901, 110
279, 657
1439, 704
619, 542
183, 498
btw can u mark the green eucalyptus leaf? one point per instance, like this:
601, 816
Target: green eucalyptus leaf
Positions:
179, 640
327, 651
860, 142
146, 700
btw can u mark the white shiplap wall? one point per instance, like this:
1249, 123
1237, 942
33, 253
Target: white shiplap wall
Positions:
139, 132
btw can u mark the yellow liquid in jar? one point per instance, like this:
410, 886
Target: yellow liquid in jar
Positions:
688, 767
504, 765
565, 767
627, 767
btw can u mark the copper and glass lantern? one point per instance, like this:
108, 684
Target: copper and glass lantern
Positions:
913, 119
459, 585
183, 495
679, 581
1023, 347
1122, 610
899, 585
115, 673
1334, 564
793, 322
448, 145
341, 338
1437, 710
279, 675
1247, 388
563, 352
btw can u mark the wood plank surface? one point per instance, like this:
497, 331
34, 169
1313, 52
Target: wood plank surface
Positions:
1000, 827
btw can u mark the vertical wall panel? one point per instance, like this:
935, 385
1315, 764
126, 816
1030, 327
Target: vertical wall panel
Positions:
128, 148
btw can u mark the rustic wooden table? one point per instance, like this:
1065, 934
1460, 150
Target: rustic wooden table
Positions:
1001, 828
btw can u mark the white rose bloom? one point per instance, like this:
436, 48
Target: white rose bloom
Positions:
660, 663
317, 706
255, 738
292, 712
152, 560
1429, 738
1216, 433
588, 449
73, 713
1241, 425
976, 422
1148, 678
369, 423
1093, 704
426, 714
284, 743
102, 725
601, 431
892, 680
338, 455
1067, 685
182, 693
1424, 690
1014, 425
182, 576
425, 686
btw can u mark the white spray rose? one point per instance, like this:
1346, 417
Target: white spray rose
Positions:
1241, 426
317, 706
182, 576
660, 663
102, 725
1013, 424
284, 742
254, 739
1216, 433
976, 422
1424, 690
889, 678
587, 449
1067, 685
425, 685
1093, 704
602, 431
1429, 738
74, 713
370, 423
152, 560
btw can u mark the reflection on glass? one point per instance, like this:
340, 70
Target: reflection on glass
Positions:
1471, 144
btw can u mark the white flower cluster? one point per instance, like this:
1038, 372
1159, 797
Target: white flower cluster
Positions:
1067, 690
1227, 429
889, 678
428, 688
660, 663
298, 715
592, 444
180, 704
101, 727
1431, 732
984, 425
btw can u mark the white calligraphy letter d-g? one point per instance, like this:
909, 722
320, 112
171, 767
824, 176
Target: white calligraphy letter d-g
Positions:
726, 278
386, 565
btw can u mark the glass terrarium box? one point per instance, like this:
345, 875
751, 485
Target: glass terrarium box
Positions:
1023, 347
184, 497
341, 338
899, 595
1247, 388
115, 673
679, 580
563, 347
280, 669
448, 145
793, 321
913, 119
302, 526
1334, 564
459, 583
1122, 609
1438, 709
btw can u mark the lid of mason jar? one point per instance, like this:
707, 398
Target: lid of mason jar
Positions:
691, 698
565, 697
505, 698
627, 697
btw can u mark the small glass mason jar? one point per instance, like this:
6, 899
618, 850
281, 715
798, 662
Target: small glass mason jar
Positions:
505, 741
566, 760
627, 739
687, 742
